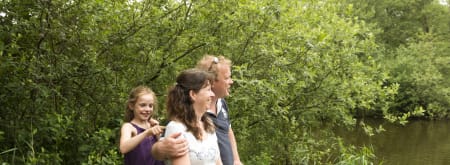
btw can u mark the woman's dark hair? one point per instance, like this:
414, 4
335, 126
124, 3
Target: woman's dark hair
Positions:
180, 105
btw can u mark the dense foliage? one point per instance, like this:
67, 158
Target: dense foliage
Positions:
300, 68
415, 35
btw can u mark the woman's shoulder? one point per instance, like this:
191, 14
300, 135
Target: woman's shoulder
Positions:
173, 122
175, 125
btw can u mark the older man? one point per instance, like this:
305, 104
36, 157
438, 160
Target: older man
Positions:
219, 113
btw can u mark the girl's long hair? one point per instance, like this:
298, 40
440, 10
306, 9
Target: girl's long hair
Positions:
180, 105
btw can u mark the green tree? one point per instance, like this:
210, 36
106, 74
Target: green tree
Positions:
422, 70
415, 39
397, 21
299, 67
296, 71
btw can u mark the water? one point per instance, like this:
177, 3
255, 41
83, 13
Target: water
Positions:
416, 143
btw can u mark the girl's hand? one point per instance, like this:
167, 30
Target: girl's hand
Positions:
155, 130
153, 122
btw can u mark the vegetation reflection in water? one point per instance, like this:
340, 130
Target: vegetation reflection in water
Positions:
415, 143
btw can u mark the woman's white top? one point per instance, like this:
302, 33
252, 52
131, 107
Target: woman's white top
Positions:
204, 152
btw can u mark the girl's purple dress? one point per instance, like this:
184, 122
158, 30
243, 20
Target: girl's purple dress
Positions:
142, 155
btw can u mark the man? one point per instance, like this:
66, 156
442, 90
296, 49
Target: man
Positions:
221, 68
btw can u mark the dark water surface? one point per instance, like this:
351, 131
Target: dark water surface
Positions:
416, 143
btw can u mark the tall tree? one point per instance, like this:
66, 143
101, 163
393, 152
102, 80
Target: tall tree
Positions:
399, 21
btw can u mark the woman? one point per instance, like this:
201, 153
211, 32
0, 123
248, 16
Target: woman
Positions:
187, 104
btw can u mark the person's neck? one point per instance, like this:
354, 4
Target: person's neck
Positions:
213, 104
141, 123
199, 119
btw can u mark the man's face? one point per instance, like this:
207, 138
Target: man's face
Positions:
221, 87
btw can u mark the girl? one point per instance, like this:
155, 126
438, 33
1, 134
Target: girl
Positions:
187, 104
140, 131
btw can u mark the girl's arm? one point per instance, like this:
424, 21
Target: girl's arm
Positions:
128, 142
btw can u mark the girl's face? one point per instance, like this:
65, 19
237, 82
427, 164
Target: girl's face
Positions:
143, 108
202, 99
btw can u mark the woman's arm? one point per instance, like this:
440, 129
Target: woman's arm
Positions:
219, 161
183, 160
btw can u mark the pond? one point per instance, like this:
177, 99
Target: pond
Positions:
416, 143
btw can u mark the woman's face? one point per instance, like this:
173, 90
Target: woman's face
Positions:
143, 108
202, 99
